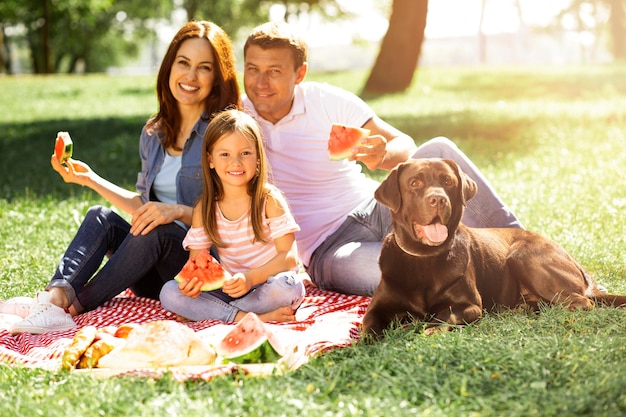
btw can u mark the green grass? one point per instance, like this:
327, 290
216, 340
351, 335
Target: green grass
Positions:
551, 140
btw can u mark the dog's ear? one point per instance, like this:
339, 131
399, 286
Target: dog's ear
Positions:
468, 186
388, 192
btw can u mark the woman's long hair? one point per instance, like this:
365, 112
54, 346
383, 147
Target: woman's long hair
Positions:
226, 123
224, 92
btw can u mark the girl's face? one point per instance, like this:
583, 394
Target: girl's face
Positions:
234, 159
193, 73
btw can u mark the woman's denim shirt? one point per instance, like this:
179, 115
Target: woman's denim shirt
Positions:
189, 178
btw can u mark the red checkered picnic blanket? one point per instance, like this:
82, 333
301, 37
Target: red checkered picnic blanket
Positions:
325, 320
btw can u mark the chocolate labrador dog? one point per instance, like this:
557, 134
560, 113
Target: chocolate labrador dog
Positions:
436, 269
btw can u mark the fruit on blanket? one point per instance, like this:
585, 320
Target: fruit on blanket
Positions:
207, 269
63, 147
343, 139
79, 344
160, 343
250, 341
124, 330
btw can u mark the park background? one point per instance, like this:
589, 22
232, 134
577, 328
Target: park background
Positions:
79, 36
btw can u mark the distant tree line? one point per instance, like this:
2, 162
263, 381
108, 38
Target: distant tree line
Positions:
93, 35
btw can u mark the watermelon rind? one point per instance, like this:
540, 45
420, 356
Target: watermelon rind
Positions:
249, 342
67, 147
264, 353
209, 286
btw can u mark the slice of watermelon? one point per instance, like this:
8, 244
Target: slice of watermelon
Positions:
207, 269
343, 139
250, 341
63, 147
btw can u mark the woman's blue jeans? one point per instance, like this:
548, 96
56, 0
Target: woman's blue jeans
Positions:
347, 260
142, 263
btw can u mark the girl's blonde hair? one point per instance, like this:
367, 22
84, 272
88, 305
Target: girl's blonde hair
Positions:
225, 123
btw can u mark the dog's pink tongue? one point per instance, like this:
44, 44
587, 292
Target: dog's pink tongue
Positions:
436, 232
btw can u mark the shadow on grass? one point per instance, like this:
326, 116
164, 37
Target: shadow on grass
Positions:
110, 147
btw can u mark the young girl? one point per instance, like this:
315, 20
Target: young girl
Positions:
249, 223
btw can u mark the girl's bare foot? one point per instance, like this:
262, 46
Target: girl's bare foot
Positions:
182, 319
281, 314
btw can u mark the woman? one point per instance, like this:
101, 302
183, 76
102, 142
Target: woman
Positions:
197, 78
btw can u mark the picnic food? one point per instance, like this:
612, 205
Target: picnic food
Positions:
207, 269
79, 344
160, 343
343, 139
250, 341
97, 350
63, 147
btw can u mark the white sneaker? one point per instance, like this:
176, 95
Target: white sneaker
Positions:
18, 306
44, 317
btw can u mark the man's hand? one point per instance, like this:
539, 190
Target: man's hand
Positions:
371, 152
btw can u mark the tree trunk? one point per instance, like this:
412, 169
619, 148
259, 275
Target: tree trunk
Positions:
45, 38
399, 50
2, 65
482, 38
617, 23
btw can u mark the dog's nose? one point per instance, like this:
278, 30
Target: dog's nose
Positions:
437, 199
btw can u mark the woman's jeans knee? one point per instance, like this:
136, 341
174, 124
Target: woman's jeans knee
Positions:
142, 263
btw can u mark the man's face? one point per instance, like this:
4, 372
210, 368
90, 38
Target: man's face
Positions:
269, 79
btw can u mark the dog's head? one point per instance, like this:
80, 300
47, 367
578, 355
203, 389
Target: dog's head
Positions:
426, 198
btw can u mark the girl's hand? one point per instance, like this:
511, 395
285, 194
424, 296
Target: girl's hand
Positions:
74, 171
191, 288
151, 215
237, 286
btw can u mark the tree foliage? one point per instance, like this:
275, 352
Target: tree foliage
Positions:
597, 16
92, 35
63, 35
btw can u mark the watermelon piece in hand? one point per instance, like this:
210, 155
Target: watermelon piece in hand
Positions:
63, 147
207, 269
250, 341
343, 139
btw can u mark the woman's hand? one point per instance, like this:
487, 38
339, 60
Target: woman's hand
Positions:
151, 215
237, 286
74, 171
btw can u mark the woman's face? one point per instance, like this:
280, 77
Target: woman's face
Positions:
193, 73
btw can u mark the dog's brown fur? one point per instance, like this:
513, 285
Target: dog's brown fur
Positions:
429, 276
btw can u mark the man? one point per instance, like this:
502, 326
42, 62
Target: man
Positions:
342, 225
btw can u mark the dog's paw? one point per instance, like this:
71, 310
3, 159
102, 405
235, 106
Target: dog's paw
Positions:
429, 331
